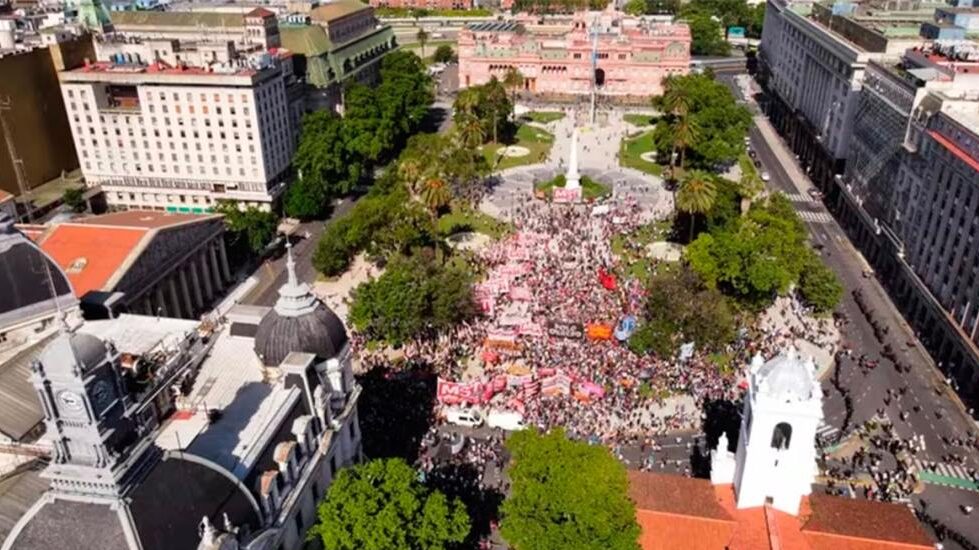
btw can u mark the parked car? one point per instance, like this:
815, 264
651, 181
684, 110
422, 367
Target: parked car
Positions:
505, 420
470, 418
766, 177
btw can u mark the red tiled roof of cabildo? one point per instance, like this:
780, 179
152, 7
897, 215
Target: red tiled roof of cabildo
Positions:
681, 512
96, 251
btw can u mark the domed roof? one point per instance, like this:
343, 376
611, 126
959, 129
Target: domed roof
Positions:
24, 267
79, 348
786, 377
298, 322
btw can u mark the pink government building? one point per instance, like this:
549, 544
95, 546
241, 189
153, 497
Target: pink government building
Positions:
634, 55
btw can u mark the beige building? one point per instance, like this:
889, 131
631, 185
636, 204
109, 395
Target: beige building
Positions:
184, 109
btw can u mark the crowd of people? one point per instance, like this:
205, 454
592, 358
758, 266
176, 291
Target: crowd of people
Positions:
565, 250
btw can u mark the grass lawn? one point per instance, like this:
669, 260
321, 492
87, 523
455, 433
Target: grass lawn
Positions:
636, 263
544, 117
537, 141
637, 119
461, 219
632, 148
590, 189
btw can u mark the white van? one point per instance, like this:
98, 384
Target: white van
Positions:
470, 418
506, 420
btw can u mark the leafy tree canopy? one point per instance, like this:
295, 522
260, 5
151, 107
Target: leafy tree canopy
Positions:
256, 227
414, 296
444, 54
680, 309
566, 495
819, 286
707, 35
380, 505
758, 257
721, 123
489, 105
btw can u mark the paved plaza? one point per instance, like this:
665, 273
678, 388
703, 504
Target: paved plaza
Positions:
598, 158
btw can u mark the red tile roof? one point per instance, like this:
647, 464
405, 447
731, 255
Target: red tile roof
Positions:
871, 521
142, 219
90, 255
676, 512
260, 12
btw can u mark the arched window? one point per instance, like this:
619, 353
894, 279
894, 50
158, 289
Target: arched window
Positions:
781, 436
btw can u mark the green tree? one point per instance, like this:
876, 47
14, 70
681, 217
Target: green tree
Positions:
696, 196
490, 105
444, 54
758, 257
74, 198
422, 38
684, 136
255, 227
325, 165
635, 7
380, 505
719, 122
413, 297
435, 195
707, 35
755, 20
681, 308
819, 286
513, 80
566, 495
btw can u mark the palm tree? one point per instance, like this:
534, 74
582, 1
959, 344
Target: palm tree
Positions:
410, 173
422, 38
696, 195
435, 194
471, 133
467, 101
675, 100
513, 80
685, 133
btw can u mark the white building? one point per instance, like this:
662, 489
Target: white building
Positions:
775, 462
164, 123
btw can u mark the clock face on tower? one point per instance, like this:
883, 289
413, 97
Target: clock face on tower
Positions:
70, 401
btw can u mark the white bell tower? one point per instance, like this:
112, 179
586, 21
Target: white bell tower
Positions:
775, 462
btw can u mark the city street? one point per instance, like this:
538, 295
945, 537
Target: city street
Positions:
933, 413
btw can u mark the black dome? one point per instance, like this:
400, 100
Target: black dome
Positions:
319, 332
27, 292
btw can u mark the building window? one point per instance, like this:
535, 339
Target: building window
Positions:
781, 436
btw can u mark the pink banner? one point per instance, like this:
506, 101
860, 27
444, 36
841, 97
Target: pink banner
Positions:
455, 392
520, 294
562, 194
592, 388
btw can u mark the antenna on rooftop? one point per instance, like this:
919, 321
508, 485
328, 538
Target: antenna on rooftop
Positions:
6, 105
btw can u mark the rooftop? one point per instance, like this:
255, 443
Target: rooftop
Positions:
91, 255
231, 381
141, 334
325, 13
143, 219
678, 510
94, 252
122, 19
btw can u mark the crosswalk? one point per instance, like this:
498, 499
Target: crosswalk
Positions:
943, 469
827, 433
816, 217
800, 197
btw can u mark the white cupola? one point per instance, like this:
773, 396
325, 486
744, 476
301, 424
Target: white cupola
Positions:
776, 455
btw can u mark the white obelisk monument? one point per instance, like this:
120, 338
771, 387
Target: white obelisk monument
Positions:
572, 177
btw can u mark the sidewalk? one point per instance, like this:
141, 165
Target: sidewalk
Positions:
785, 157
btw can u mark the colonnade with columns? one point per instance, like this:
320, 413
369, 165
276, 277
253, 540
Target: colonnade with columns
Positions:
189, 287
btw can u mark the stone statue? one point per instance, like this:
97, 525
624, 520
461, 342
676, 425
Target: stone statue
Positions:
573, 178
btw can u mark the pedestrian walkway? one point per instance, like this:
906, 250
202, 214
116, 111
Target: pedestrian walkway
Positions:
827, 432
948, 475
801, 197
815, 217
